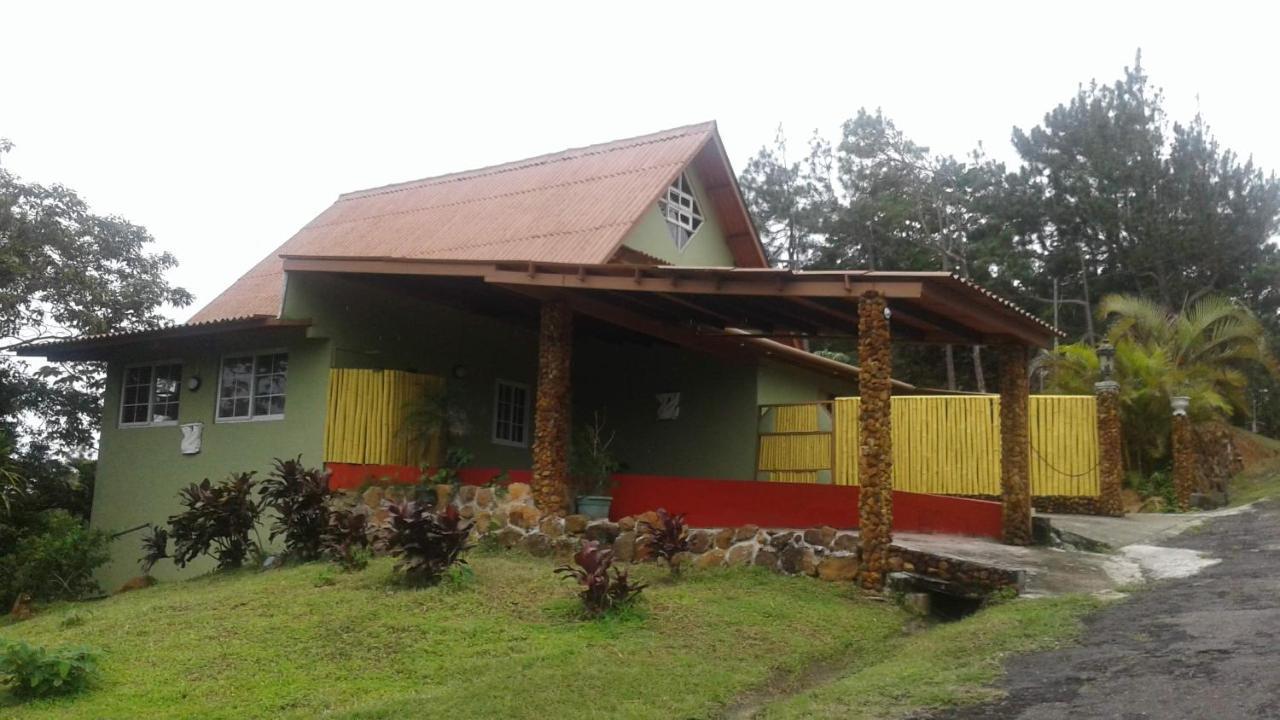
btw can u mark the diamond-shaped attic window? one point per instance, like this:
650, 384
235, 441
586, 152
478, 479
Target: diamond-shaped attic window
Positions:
681, 211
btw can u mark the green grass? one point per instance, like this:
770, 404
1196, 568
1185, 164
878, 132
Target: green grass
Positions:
304, 641
950, 664
1260, 481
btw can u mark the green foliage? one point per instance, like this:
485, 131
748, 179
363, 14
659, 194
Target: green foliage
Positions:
34, 672
64, 272
300, 498
1203, 352
1109, 197
217, 520
591, 460
53, 559
603, 586
1156, 484
426, 544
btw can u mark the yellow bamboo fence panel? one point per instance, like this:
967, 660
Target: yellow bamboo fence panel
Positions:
367, 410
950, 445
796, 449
1064, 445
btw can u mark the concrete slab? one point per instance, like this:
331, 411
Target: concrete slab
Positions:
1048, 571
1135, 529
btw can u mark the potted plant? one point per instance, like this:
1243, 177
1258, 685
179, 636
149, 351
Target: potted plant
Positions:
592, 465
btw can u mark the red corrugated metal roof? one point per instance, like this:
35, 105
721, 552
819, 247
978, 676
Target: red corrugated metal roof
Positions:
573, 206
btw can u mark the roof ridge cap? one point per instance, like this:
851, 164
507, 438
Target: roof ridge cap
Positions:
544, 159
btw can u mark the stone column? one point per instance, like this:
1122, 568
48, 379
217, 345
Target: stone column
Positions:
1110, 461
1184, 454
1015, 446
551, 419
875, 449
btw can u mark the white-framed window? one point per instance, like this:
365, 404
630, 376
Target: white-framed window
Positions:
680, 209
251, 386
149, 394
510, 413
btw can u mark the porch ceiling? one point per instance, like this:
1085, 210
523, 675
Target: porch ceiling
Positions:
711, 305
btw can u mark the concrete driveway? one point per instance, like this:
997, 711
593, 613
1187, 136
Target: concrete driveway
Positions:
1200, 647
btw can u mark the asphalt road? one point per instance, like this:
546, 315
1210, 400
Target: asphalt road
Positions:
1205, 647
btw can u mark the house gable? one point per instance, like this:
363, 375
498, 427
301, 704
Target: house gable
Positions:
707, 246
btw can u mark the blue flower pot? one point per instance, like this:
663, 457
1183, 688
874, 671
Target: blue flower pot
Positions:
595, 507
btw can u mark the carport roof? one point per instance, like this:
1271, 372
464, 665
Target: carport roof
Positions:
709, 303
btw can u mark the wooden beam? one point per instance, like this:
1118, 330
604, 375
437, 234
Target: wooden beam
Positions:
766, 285
630, 320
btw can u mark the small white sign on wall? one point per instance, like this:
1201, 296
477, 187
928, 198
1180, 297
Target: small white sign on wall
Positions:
668, 405
192, 435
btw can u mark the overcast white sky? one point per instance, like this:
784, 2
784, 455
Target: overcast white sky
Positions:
224, 127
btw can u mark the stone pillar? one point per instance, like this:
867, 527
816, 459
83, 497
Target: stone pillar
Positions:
1184, 454
1015, 445
551, 419
1110, 461
875, 449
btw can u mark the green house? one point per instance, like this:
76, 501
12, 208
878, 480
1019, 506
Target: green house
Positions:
674, 330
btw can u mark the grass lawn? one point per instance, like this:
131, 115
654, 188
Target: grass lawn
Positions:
308, 641
1262, 479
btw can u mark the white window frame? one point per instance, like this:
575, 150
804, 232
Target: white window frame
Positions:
680, 207
217, 402
151, 394
528, 405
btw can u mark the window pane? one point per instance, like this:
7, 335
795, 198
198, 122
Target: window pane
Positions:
234, 385
166, 388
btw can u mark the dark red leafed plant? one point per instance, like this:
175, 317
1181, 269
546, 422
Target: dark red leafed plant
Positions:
155, 547
427, 543
216, 520
300, 497
666, 538
604, 587
346, 539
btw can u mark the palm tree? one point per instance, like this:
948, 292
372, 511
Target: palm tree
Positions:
1202, 352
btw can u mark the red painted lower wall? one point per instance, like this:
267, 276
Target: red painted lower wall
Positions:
725, 503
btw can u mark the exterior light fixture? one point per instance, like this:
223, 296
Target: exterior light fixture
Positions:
1180, 404
887, 312
193, 383
1106, 360
460, 371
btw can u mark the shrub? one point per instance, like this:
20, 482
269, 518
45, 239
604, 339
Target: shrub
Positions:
53, 559
346, 539
667, 538
300, 497
155, 547
33, 672
427, 543
601, 590
217, 521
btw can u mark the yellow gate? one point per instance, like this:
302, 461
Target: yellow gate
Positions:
367, 409
950, 445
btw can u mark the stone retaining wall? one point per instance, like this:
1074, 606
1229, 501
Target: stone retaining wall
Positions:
509, 517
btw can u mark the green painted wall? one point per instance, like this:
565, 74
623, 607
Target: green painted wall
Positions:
714, 436
372, 327
706, 248
779, 383
140, 469
359, 324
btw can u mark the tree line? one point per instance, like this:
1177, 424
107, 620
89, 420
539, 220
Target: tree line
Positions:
1110, 196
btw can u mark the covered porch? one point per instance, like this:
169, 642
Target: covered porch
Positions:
728, 315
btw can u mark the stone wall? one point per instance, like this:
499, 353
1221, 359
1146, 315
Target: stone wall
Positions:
1217, 460
508, 517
